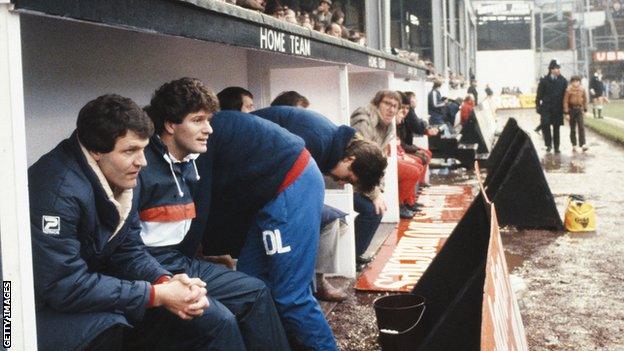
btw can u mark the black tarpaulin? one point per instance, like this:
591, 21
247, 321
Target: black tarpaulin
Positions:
472, 134
453, 284
502, 144
518, 187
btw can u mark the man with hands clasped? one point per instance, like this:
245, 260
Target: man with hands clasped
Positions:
231, 310
96, 285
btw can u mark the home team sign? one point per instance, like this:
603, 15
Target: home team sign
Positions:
286, 43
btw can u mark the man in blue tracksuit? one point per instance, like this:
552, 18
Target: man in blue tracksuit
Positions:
265, 206
241, 314
339, 153
337, 150
92, 274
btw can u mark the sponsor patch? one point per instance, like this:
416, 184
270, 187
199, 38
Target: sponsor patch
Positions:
51, 224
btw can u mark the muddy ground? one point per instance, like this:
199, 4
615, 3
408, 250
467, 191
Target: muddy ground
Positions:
572, 295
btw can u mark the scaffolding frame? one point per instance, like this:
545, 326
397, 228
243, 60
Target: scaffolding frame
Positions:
556, 14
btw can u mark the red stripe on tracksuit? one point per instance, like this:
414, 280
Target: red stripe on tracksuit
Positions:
296, 170
168, 213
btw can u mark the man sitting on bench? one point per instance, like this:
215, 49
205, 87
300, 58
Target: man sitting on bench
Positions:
181, 111
92, 274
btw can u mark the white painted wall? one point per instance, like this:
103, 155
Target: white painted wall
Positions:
66, 64
502, 68
364, 85
325, 87
259, 75
14, 209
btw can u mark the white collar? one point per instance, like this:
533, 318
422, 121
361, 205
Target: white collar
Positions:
123, 203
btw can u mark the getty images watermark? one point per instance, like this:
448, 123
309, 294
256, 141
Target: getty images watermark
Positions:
6, 314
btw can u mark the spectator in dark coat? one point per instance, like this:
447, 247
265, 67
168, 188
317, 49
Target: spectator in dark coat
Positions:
549, 104
435, 105
596, 91
473, 90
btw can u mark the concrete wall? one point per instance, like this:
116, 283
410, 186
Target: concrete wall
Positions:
321, 85
506, 68
64, 70
259, 75
364, 85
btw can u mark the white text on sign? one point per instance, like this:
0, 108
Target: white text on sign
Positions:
282, 42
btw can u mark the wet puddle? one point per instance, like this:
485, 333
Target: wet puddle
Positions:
582, 235
451, 176
513, 261
563, 163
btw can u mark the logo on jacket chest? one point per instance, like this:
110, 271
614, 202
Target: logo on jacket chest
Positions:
51, 224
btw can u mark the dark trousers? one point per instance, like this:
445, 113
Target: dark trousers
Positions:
366, 222
109, 340
241, 315
550, 139
576, 119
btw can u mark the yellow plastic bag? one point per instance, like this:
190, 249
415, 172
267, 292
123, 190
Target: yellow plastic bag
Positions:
580, 216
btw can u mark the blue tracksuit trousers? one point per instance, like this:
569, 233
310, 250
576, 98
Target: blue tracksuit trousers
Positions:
241, 315
281, 250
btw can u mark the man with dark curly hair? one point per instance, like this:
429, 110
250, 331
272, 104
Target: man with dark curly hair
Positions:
340, 154
181, 111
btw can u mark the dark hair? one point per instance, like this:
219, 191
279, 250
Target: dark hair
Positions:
231, 98
410, 94
575, 78
405, 100
319, 26
369, 163
103, 120
272, 7
386, 94
176, 99
337, 14
290, 98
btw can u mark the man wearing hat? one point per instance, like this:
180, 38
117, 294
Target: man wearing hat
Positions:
549, 104
323, 13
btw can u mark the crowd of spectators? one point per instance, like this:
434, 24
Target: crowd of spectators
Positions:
329, 19
326, 18
511, 91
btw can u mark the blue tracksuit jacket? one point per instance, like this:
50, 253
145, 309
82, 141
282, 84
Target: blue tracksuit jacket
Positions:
325, 140
246, 162
84, 283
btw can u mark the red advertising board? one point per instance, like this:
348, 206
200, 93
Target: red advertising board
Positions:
501, 324
407, 252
